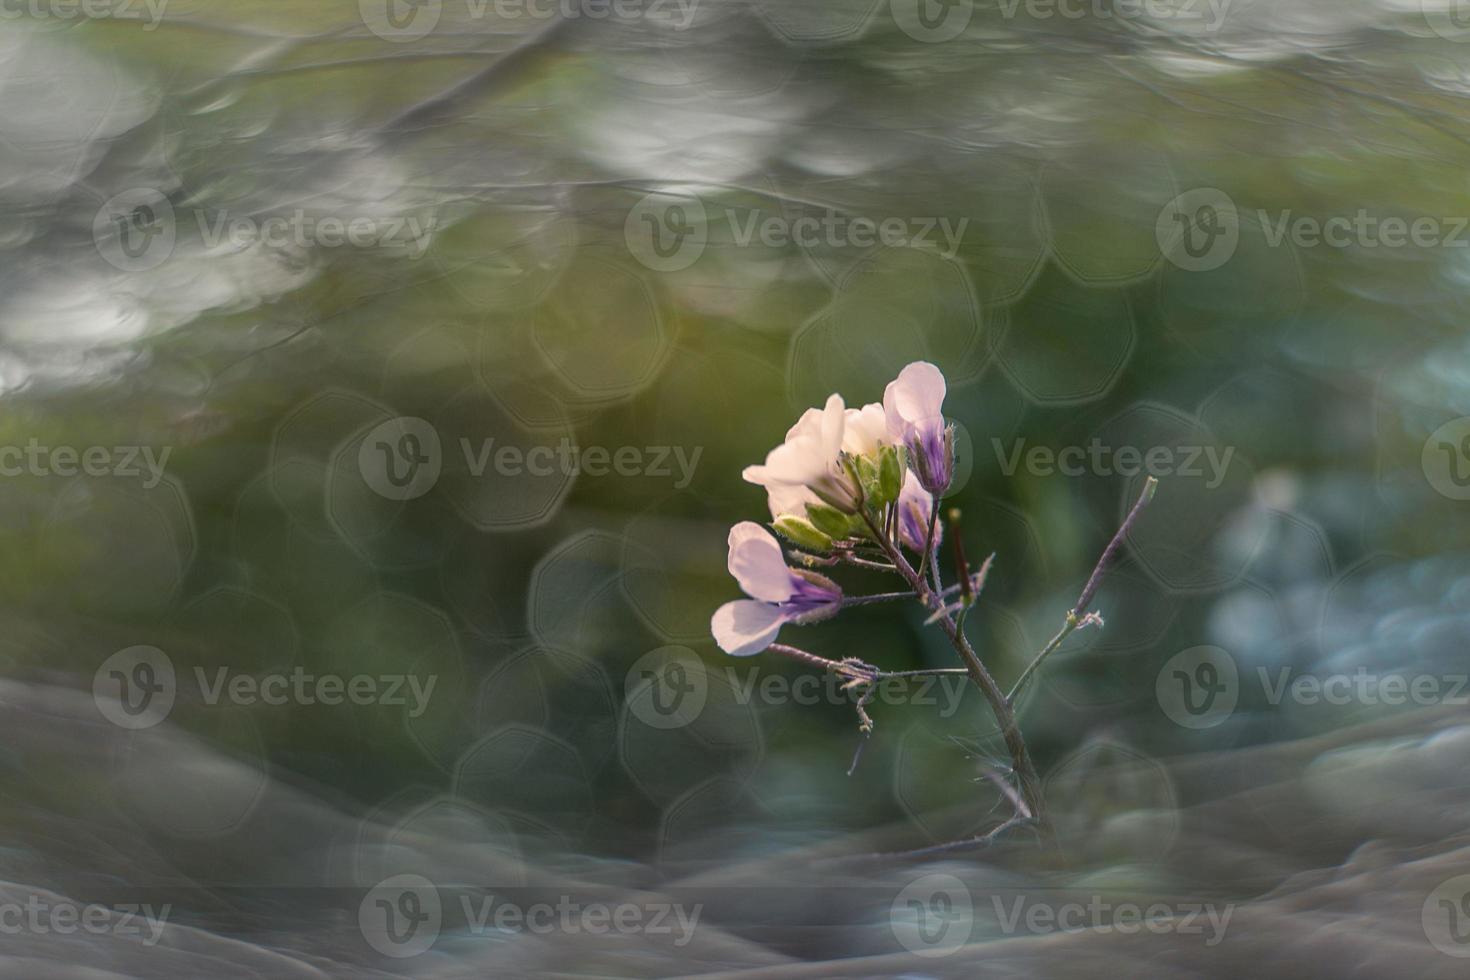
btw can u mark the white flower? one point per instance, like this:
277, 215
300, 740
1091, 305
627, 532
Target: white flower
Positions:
913, 406
806, 468
779, 594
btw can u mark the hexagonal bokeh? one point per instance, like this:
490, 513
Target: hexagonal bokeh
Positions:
720, 53
1205, 524
561, 693
1099, 667
239, 628
307, 573
181, 785
575, 597
1066, 343
304, 444
530, 778
119, 544
500, 259
941, 790
817, 21
674, 570
605, 340
715, 820
447, 840
1248, 302
499, 474
416, 647
896, 305
1112, 802
1104, 233
722, 738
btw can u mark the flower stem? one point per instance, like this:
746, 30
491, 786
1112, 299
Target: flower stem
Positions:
868, 600
1077, 616
1005, 718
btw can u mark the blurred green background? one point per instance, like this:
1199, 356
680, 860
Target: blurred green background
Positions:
534, 315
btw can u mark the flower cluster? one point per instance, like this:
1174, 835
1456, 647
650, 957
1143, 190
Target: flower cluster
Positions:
844, 479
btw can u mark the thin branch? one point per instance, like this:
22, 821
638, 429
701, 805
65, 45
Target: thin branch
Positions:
1078, 617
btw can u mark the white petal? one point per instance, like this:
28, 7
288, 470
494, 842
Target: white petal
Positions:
745, 627
866, 428
757, 563
787, 499
834, 420
917, 395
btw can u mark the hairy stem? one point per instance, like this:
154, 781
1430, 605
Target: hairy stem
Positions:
1077, 615
1005, 718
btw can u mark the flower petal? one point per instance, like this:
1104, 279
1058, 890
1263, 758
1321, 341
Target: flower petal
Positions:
865, 429
917, 395
745, 627
757, 563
